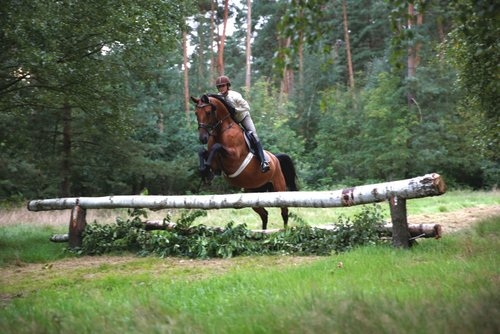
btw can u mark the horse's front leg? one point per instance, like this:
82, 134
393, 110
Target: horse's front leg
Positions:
204, 169
216, 148
202, 156
206, 158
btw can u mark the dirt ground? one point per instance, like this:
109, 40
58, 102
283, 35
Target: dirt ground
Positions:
456, 220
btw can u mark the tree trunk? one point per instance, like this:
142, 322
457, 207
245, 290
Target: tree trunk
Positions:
202, 48
300, 47
222, 42
411, 53
416, 230
301, 69
212, 42
77, 226
66, 152
400, 232
422, 186
186, 77
348, 46
287, 79
414, 20
248, 75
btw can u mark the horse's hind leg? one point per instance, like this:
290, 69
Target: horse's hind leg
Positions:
263, 215
284, 215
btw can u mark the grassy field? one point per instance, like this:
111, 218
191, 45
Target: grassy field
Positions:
451, 285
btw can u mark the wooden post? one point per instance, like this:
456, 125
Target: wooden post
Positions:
400, 231
77, 224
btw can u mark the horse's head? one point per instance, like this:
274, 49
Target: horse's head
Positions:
209, 114
206, 116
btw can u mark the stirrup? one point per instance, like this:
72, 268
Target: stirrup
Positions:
264, 167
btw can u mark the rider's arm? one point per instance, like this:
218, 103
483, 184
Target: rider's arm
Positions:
241, 105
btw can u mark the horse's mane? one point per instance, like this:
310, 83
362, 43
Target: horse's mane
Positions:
219, 97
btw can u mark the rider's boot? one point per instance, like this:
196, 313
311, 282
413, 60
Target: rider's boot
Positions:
264, 164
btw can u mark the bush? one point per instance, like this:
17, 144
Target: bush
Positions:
233, 240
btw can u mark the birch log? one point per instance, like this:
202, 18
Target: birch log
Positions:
416, 230
422, 186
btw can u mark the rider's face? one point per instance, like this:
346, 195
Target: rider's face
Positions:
222, 89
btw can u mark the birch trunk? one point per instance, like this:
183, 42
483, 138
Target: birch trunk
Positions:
422, 186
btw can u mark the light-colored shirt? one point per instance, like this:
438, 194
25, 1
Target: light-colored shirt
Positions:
240, 104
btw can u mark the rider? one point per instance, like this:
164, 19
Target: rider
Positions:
242, 116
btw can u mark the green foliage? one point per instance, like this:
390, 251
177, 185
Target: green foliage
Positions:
272, 118
125, 235
70, 74
473, 50
232, 240
91, 96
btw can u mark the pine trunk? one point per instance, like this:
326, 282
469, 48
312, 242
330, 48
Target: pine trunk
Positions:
66, 152
222, 42
248, 75
348, 46
186, 76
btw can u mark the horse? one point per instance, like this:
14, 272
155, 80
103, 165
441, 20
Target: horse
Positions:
229, 152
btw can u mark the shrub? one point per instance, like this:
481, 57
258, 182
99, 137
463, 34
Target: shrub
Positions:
201, 241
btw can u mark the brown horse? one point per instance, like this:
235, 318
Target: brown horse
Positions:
230, 152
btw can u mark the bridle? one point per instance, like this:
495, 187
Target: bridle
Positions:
211, 128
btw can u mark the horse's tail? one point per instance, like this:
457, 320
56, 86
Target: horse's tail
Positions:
288, 169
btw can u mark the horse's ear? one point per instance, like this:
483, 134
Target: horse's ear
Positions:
204, 98
195, 100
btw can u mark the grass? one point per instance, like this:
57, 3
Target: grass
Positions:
25, 243
452, 201
446, 286
449, 285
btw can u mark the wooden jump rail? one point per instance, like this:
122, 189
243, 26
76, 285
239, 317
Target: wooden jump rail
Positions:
396, 192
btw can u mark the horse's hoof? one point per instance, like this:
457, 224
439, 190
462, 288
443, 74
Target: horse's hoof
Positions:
207, 178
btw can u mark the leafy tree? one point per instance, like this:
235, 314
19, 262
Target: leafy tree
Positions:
474, 52
91, 95
66, 65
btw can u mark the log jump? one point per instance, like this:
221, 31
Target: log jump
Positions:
423, 186
396, 192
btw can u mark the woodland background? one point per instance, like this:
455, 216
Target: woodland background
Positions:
94, 94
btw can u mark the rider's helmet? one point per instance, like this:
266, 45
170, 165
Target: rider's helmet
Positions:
223, 80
